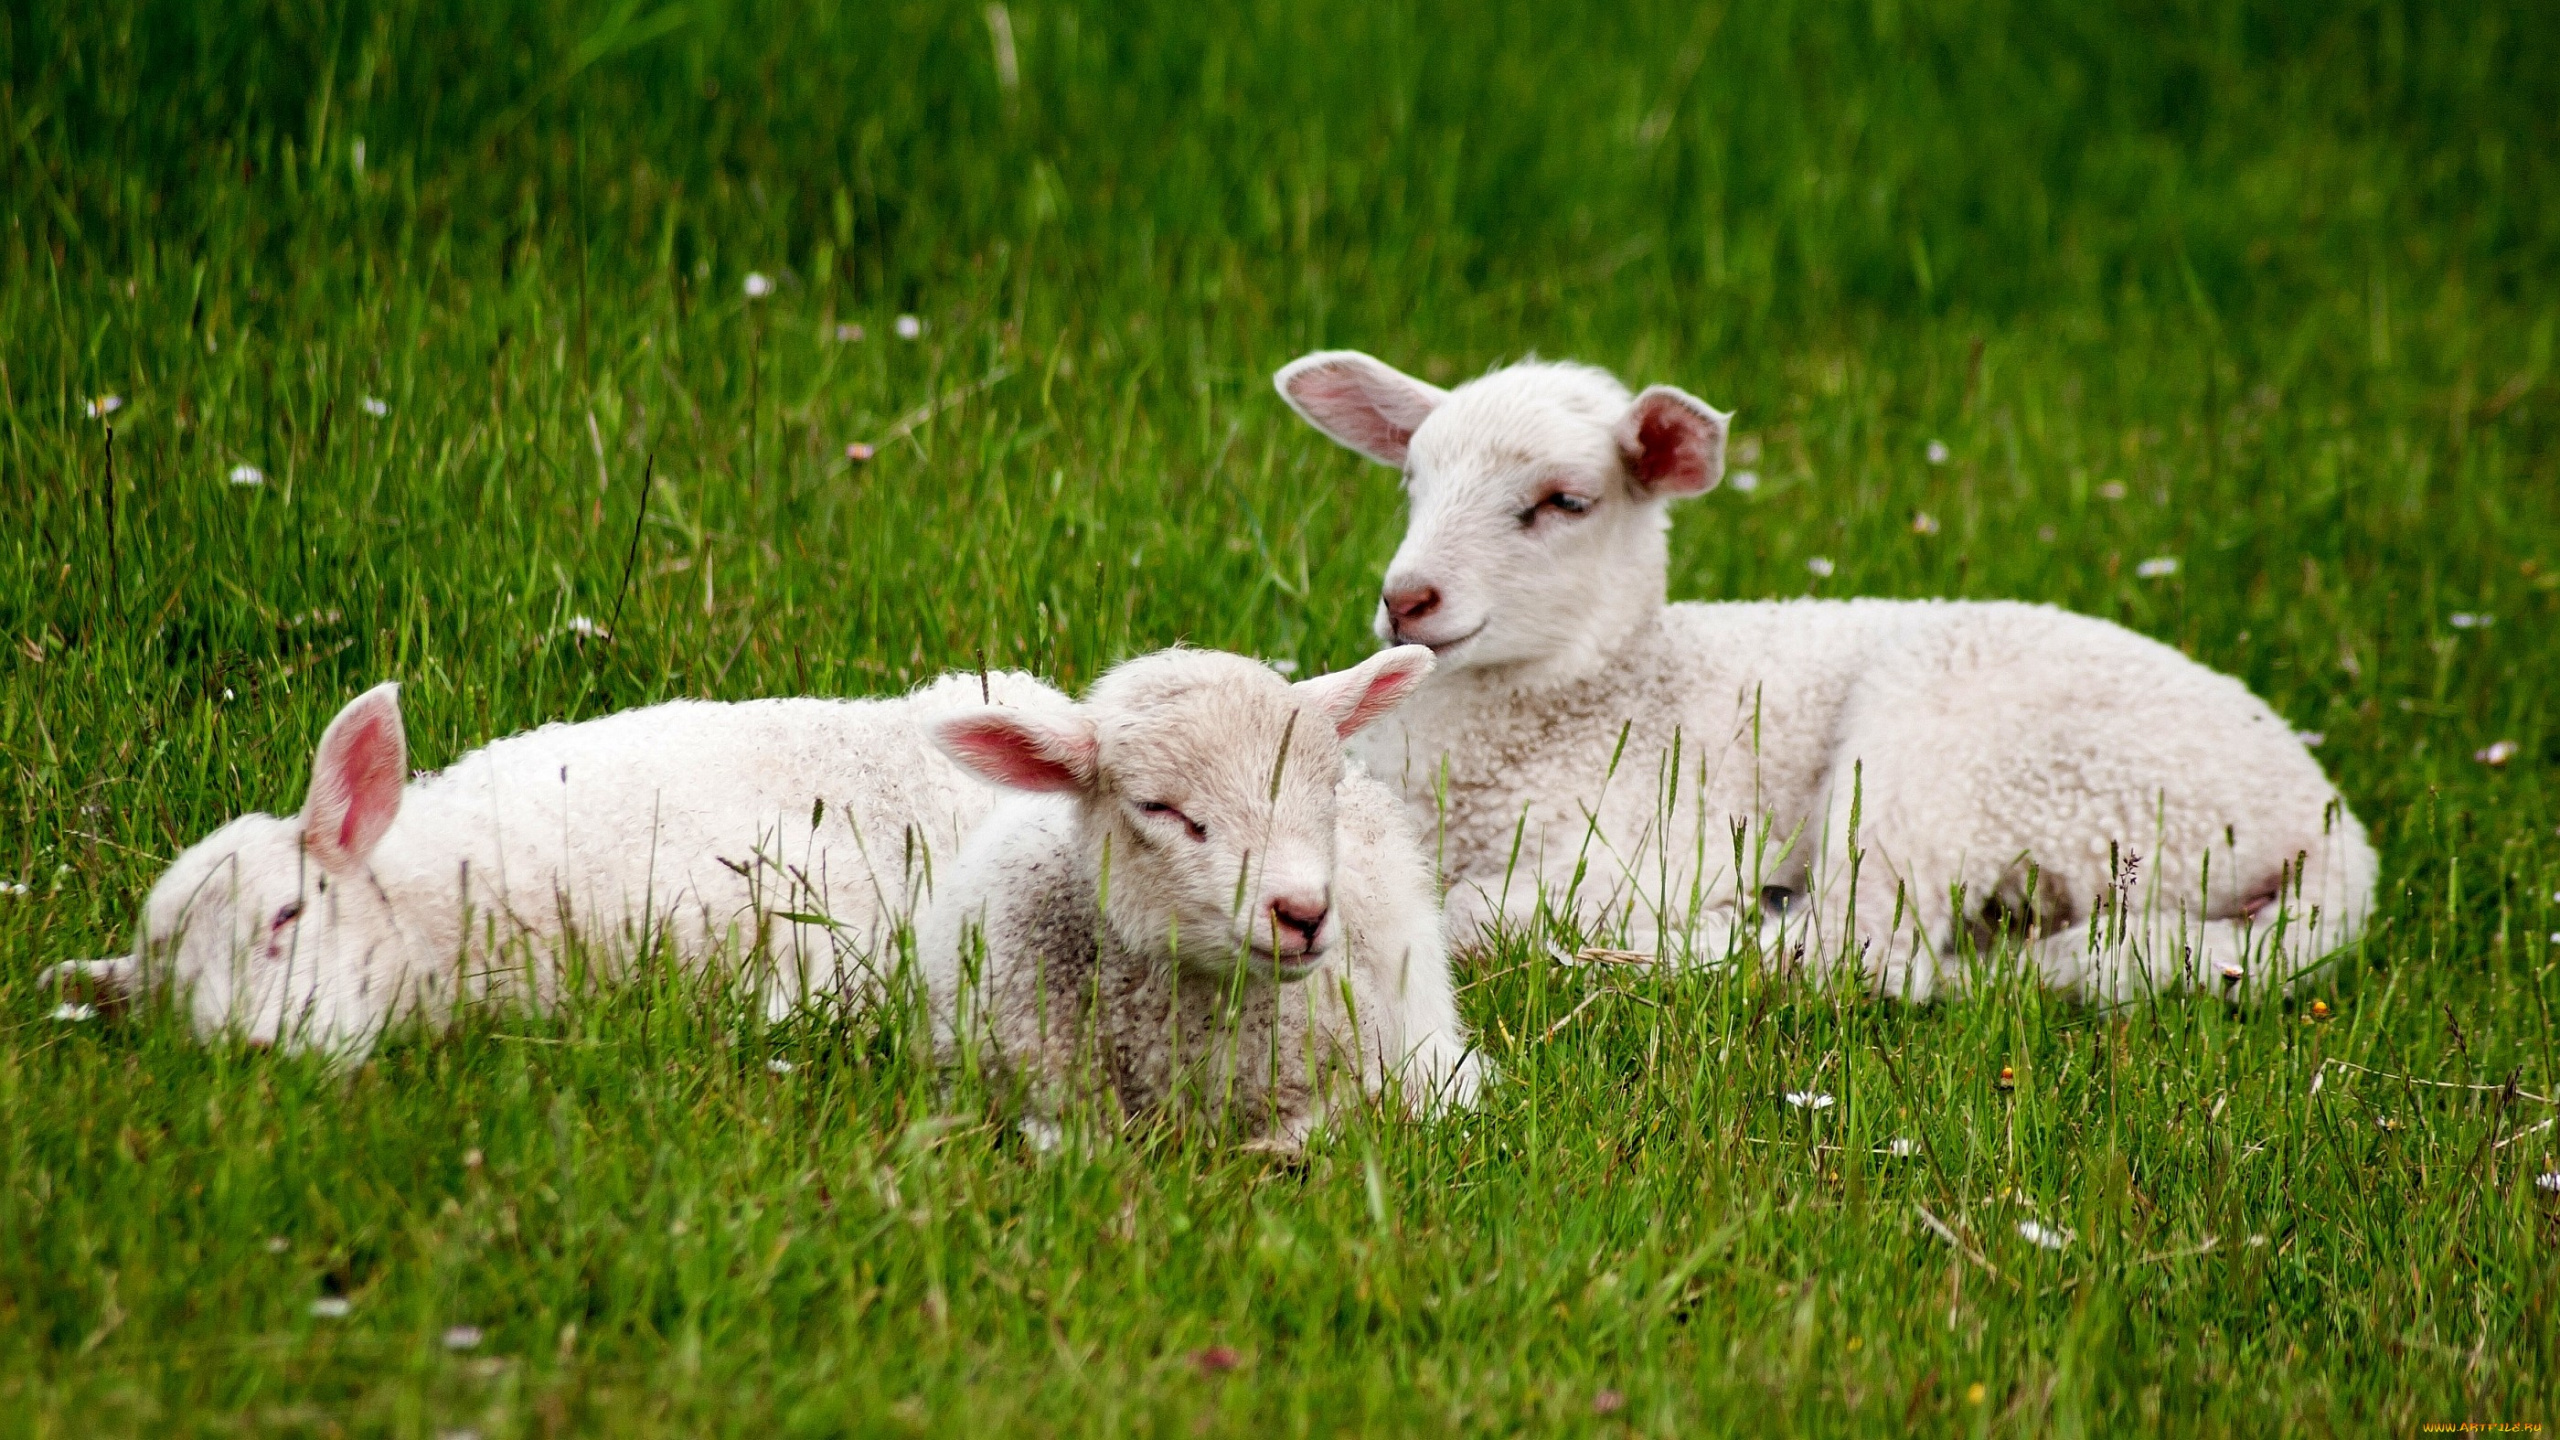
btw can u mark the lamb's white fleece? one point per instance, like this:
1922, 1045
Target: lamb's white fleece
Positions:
1122, 937
1664, 776
791, 835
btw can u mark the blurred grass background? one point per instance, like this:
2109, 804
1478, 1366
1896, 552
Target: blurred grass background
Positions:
2262, 288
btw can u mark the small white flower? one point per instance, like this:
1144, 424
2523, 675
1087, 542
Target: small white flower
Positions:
2112, 490
227, 695
12, 887
103, 406
2319, 1079
462, 1337
587, 629
248, 475
848, 334
1285, 667
859, 453
331, 1307
1938, 452
1819, 565
759, 285
780, 1066
373, 407
2042, 1237
2497, 753
2555, 937
1745, 481
909, 327
277, 1244
2158, 567
1923, 523
2257, 1242
2464, 620
1902, 1145
72, 1012
2312, 739
2548, 1182
1810, 1100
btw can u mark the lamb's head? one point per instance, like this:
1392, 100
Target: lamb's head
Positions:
261, 926
1537, 494
1204, 783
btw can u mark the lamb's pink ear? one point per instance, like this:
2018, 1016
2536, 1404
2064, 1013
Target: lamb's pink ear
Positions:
1023, 752
1354, 697
1673, 443
1367, 405
356, 779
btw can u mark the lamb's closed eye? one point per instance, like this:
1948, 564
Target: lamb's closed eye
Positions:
1162, 811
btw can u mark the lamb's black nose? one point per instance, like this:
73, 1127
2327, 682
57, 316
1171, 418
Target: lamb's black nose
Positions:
1299, 916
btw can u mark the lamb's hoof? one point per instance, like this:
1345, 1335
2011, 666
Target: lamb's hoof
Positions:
89, 987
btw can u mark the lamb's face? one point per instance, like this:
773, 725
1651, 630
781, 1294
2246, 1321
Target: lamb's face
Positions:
1537, 498
1522, 520
269, 927
257, 938
1215, 796
1204, 787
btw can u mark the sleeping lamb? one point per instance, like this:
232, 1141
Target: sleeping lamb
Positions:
1856, 780
1200, 910
791, 835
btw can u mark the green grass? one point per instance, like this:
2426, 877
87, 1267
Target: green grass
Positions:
2262, 287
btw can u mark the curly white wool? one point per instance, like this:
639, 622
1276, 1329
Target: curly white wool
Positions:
1199, 895
798, 830
1590, 752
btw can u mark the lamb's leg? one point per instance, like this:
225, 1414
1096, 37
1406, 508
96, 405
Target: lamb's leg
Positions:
1877, 902
1710, 936
1440, 1073
2285, 927
107, 985
2101, 959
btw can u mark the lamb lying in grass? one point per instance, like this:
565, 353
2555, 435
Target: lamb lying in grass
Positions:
1200, 910
1905, 770
790, 834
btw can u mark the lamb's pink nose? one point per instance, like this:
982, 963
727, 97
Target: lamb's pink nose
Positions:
1296, 920
1408, 603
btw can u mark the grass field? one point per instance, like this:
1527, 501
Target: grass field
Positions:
2263, 288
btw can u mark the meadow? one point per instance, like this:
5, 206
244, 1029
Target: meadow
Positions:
554, 356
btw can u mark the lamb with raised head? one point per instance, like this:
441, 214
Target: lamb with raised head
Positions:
1197, 908
790, 835
1863, 778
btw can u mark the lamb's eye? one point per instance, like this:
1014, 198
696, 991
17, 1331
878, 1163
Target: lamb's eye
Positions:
1163, 811
1563, 502
291, 912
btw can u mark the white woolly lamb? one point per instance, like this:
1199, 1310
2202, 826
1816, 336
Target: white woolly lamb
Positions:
1205, 913
791, 834
1665, 771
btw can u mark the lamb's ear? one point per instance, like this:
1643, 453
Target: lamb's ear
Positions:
1673, 443
1354, 697
1021, 751
356, 778
1367, 405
